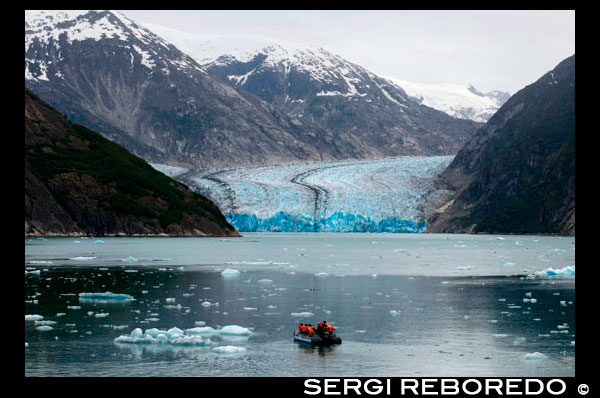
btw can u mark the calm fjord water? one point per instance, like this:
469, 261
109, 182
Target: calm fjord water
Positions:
404, 304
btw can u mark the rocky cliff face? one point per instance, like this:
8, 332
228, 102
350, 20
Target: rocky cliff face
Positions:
517, 173
79, 183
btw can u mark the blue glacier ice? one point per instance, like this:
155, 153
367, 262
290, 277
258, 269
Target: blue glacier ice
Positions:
384, 195
337, 222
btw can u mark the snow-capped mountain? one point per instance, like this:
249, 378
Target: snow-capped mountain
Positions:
273, 105
457, 100
111, 74
323, 91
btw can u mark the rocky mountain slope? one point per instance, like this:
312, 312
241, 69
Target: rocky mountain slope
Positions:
107, 72
79, 183
457, 100
321, 90
111, 74
517, 174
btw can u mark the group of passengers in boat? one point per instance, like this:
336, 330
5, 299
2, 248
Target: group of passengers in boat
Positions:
320, 330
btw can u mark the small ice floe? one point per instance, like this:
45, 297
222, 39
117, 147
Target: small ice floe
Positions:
228, 349
228, 273
170, 299
234, 330
569, 270
265, 281
33, 317
199, 323
563, 303
106, 297
174, 336
534, 356
44, 328
36, 272
39, 262
302, 314
73, 307
206, 304
322, 274
101, 314
206, 330
129, 259
84, 258
45, 323
463, 268
394, 312
99, 242
499, 238
500, 335
250, 262
250, 308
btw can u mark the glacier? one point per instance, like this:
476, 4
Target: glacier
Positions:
384, 195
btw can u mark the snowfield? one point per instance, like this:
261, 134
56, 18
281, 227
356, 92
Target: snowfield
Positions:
342, 196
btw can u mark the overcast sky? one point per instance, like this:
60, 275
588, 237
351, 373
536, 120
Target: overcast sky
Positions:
493, 50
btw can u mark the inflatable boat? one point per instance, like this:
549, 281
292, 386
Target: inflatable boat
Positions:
325, 339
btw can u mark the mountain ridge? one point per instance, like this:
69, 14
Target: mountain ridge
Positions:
110, 73
517, 173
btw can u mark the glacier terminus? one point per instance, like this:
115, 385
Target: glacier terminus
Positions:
382, 195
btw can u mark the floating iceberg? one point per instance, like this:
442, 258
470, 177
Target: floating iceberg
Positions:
34, 317
105, 297
173, 336
201, 330
302, 314
228, 273
535, 356
44, 328
566, 271
234, 330
129, 259
36, 272
83, 258
228, 349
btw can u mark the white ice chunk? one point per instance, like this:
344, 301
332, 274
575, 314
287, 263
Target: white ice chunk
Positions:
227, 273
301, 314
107, 296
534, 356
44, 328
234, 330
34, 317
228, 349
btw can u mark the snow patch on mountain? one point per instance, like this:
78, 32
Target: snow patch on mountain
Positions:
55, 28
457, 100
